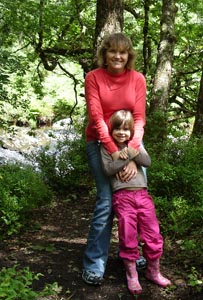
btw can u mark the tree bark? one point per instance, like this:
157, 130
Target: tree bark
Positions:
198, 124
146, 38
162, 77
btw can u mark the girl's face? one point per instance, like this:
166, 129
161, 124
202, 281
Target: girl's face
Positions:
116, 60
121, 135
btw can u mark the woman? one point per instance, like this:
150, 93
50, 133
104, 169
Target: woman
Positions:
115, 85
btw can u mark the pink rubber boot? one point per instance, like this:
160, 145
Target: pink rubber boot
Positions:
153, 274
132, 277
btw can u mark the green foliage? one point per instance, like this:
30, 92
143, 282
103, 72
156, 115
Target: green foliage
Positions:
178, 217
63, 31
156, 128
64, 168
175, 181
21, 190
177, 170
62, 110
195, 279
17, 284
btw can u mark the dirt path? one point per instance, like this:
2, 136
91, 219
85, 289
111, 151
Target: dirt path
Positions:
56, 248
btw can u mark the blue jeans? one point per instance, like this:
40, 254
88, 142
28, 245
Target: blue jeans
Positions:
99, 236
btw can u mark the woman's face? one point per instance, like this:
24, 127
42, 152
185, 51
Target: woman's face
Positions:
116, 60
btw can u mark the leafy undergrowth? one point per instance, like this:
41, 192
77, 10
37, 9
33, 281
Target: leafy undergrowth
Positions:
54, 245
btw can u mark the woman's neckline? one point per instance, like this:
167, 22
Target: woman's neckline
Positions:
115, 74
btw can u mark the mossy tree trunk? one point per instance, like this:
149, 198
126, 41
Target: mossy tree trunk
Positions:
161, 81
146, 38
198, 124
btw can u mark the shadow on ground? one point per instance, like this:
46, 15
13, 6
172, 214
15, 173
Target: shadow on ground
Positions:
56, 248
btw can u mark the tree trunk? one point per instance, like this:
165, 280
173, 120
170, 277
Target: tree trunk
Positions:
146, 38
198, 124
162, 77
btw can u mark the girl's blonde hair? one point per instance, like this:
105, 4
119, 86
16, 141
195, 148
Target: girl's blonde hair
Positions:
117, 41
122, 118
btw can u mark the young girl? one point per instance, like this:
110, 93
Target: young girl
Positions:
133, 206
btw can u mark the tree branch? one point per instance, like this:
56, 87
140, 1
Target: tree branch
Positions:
75, 90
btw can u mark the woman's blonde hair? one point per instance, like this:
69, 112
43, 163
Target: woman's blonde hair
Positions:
122, 118
118, 41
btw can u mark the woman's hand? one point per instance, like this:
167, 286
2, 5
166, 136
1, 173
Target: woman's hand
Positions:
124, 153
132, 152
128, 172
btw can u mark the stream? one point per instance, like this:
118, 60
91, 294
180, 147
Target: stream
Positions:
17, 144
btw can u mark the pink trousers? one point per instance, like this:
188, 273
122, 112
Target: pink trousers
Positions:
137, 220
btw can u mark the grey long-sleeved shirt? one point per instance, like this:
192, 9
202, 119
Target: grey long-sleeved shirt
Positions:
111, 167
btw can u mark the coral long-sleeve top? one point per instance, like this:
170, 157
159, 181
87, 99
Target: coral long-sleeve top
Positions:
106, 93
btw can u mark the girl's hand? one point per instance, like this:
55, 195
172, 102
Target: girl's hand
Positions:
128, 172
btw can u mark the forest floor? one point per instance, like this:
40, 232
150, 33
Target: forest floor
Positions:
55, 248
